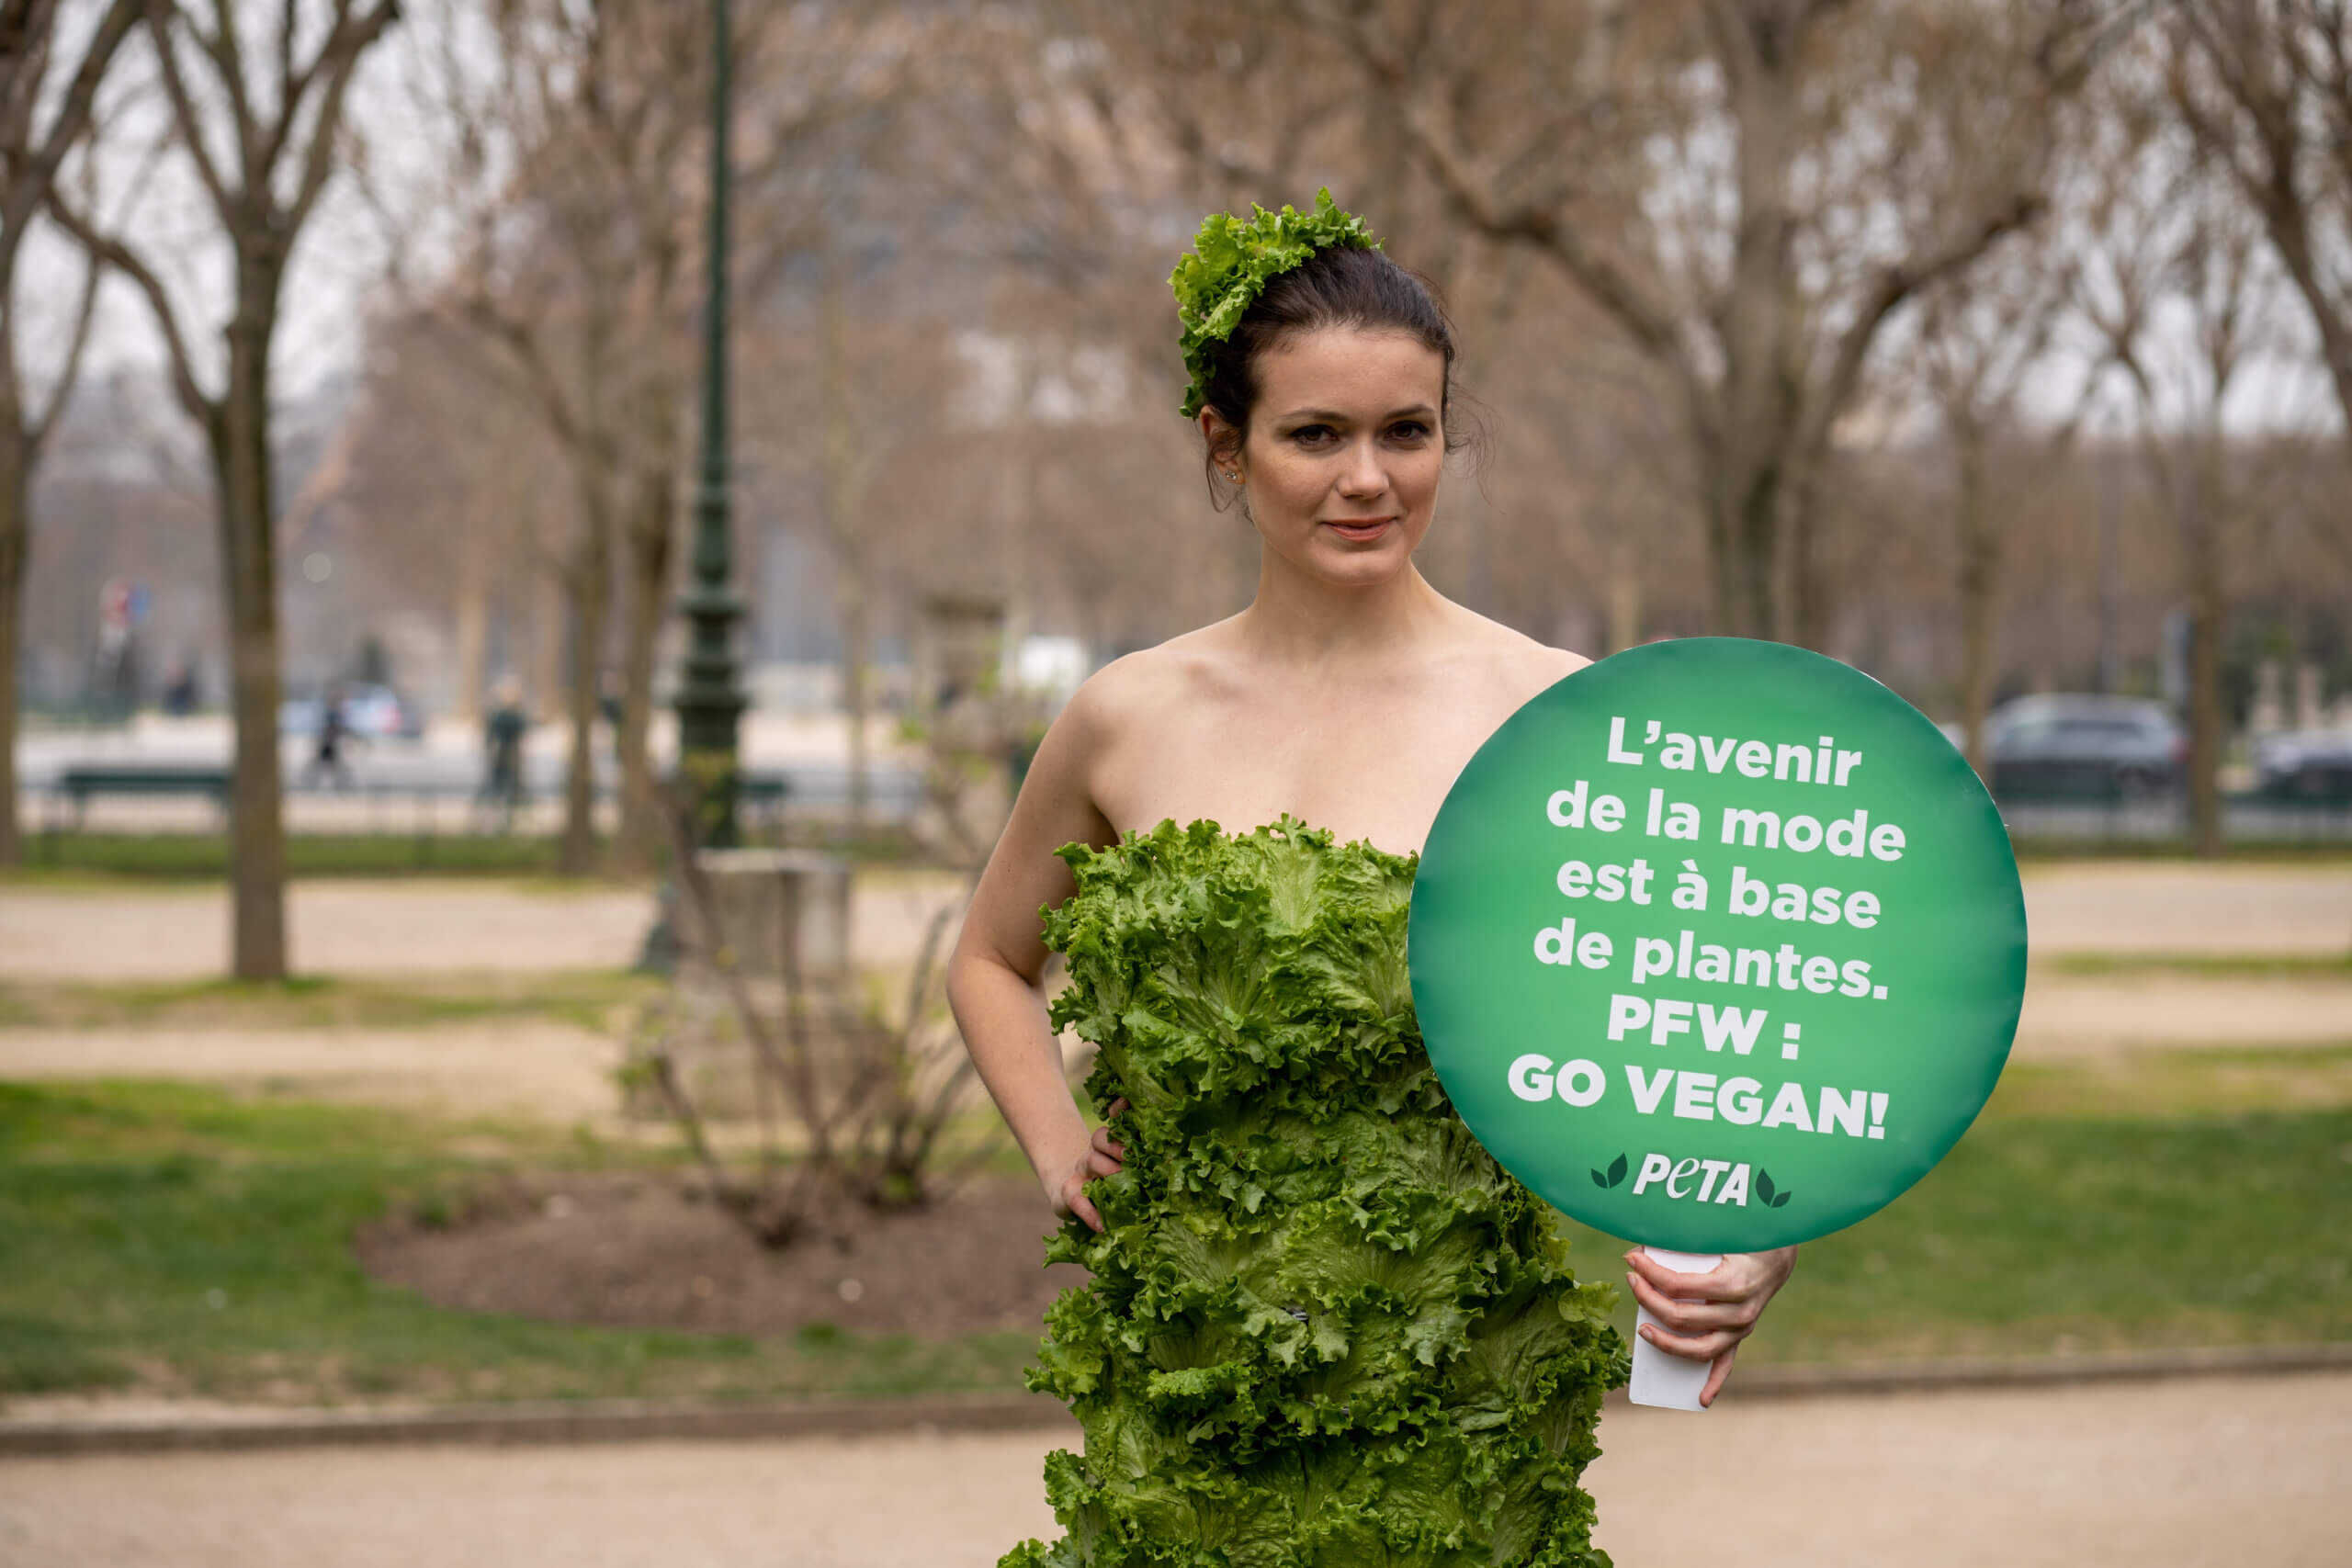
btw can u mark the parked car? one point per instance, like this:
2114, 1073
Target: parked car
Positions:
2309, 764
2084, 745
370, 712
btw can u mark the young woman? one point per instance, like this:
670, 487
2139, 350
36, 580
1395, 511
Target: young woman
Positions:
1348, 695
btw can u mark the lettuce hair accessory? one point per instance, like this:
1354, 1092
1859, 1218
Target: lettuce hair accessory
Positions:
1231, 263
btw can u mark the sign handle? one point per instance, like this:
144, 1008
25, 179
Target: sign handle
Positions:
1667, 1381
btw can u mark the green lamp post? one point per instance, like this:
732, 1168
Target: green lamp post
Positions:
711, 698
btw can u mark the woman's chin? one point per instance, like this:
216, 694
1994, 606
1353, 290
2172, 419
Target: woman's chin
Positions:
1356, 566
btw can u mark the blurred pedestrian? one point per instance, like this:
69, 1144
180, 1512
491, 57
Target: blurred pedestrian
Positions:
503, 732
179, 691
326, 761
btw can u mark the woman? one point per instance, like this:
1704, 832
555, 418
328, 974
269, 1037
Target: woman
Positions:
1348, 695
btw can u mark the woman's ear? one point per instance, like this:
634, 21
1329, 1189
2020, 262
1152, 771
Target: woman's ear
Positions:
1224, 442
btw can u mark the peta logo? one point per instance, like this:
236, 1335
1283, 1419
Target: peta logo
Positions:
1698, 1181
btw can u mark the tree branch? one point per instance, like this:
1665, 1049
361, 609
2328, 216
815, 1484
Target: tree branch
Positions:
37, 431
1892, 286
184, 111
204, 410
38, 172
343, 48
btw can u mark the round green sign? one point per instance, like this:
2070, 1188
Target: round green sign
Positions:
1718, 945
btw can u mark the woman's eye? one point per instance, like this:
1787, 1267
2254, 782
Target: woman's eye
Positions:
1313, 434
1409, 429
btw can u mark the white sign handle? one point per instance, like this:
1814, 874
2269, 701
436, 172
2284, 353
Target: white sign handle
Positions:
1670, 1381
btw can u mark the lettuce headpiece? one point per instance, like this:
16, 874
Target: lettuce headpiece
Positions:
1231, 263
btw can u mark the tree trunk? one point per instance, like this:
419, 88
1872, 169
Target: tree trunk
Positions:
1979, 573
1743, 506
849, 561
856, 635
472, 626
2207, 723
15, 552
589, 580
550, 607
1624, 608
239, 438
650, 540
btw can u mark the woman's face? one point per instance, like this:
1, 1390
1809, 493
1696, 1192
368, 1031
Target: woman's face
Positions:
1340, 465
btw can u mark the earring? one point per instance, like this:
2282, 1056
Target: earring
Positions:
1233, 476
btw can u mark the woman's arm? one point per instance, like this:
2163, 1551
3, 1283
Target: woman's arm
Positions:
993, 975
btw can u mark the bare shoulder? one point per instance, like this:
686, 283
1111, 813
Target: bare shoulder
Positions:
1511, 661
1150, 682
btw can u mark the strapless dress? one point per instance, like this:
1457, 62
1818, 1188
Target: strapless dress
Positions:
1324, 1329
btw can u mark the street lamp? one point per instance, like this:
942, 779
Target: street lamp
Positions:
711, 698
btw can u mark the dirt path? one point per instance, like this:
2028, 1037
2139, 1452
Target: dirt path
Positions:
335, 928
531, 1070
2097, 907
2071, 1016
2173, 1475
421, 927
388, 928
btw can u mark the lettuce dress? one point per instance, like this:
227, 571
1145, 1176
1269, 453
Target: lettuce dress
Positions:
1324, 1329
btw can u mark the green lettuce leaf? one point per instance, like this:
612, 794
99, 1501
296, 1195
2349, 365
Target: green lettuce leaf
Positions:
1230, 262
1324, 1329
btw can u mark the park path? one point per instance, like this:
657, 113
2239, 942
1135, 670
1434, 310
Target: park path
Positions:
2266, 908
529, 1070
388, 928
2204, 1473
563, 1074
411, 927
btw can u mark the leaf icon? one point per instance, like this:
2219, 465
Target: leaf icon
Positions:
1598, 1179
1782, 1200
1765, 1190
1615, 1174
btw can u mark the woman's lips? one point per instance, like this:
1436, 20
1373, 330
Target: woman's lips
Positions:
1359, 529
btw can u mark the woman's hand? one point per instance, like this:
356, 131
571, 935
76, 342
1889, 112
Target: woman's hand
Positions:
1104, 1156
1721, 1309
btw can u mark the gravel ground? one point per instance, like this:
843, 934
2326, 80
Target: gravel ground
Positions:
388, 928
533, 1070
2069, 1016
2219, 1472
420, 927
2269, 909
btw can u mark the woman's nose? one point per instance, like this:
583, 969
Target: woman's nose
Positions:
1363, 475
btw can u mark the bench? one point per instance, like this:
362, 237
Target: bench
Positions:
78, 782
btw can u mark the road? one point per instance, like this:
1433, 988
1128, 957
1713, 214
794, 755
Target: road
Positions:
2208, 1474
811, 752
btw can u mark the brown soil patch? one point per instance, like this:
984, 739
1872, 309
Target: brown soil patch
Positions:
646, 1252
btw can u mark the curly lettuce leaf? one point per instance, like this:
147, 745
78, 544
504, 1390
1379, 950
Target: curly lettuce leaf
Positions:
1230, 262
1324, 1329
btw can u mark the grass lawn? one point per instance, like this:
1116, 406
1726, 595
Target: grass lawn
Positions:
73, 857
591, 998
204, 857
188, 1240
2190, 1198
182, 1240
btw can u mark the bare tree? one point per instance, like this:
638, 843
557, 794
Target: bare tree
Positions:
49, 88
1983, 336
259, 119
2266, 87
2168, 237
1745, 189
574, 163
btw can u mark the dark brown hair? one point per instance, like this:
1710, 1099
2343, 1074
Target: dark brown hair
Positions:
1344, 287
